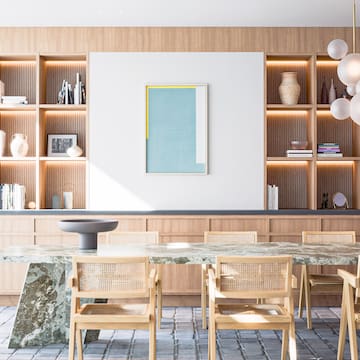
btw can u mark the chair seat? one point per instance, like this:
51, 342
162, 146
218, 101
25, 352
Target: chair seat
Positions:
322, 279
137, 313
252, 313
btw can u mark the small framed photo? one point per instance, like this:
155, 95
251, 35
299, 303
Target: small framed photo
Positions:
59, 143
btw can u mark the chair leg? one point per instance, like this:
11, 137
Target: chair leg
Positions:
212, 341
351, 322
307, 300
152, 340
72, 341
292, 341
79, 346
342, 329
203, 297
301, 292
159, 304
284, 345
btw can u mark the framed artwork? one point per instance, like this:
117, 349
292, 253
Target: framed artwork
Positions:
176, 129
59, 143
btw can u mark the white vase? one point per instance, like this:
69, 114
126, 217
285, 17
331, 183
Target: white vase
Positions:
289, 88
2, 142
19, 146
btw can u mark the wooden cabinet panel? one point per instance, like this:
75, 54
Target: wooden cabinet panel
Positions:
16, 224
239, 224
174, 226
181, 279
57, 239
341, 223
285, 238
293, 225
13, 274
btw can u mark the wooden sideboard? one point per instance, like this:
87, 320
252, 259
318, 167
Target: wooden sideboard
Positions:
179, 281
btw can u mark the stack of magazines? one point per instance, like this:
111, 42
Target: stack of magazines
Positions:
299, 153
329, 150
14, 100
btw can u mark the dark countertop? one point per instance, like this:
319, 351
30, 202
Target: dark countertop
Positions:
183, 212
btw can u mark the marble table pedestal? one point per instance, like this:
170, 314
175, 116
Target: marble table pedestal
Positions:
44, 306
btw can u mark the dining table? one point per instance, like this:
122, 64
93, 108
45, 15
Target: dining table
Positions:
42, 315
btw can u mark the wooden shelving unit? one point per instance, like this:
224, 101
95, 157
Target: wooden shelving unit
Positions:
39, 77
302, 181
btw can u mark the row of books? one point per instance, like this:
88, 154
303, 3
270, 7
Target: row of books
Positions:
273, 197
14, 100
12, 196
70, 95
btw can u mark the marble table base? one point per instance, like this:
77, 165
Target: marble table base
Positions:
43, 311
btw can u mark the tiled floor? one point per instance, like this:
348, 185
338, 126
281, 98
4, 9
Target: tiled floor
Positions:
182, 338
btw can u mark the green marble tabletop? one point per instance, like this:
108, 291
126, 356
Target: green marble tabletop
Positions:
190, 253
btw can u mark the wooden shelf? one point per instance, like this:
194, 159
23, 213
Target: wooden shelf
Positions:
39, 77
289, 107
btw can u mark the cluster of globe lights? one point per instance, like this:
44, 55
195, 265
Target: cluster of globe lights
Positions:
348, 71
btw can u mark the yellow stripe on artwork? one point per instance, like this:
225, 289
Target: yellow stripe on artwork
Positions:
171, 86
147, 112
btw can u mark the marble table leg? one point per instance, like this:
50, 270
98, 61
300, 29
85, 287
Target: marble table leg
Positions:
43, 311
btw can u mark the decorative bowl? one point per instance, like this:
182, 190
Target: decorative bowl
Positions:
298, 144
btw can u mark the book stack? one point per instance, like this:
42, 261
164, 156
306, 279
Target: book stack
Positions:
14, 100
329, 150
12, 196
273, 197
299, 153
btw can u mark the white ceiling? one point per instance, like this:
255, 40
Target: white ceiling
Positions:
328, 13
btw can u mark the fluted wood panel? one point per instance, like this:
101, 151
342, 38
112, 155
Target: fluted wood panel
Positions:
285, 126
331, 130
302, 68
292, 181
57, 71
65, 176
19, 79
334, 178
23, 122
63, 122
20, 172
326, 69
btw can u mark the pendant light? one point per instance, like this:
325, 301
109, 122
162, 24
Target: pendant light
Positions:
348, 71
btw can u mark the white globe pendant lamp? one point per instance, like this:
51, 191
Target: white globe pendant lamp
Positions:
348, 71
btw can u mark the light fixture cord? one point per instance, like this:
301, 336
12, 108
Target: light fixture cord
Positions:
354, 27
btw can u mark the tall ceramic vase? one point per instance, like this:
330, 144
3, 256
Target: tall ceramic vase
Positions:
2, 142
19, 146
289, 88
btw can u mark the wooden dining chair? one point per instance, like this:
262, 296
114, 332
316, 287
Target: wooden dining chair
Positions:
220, 237
324, 283
144, 237
112, 277
240, 277
350, 312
